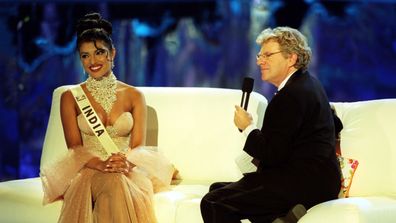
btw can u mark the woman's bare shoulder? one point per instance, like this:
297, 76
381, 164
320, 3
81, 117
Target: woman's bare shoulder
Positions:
130, 90
67, 100
67, 95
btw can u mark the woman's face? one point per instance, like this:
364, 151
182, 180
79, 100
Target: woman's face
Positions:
96, 60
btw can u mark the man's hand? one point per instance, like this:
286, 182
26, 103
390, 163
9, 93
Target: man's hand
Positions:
242, 118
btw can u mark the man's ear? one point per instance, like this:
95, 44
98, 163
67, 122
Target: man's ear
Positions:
292, 59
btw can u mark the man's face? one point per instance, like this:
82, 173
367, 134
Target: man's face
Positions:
274, 66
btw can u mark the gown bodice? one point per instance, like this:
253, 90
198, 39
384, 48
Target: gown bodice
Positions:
119, 132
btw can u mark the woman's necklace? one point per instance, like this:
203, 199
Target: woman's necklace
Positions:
103, 90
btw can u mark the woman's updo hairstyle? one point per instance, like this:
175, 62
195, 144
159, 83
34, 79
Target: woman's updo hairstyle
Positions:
92, 28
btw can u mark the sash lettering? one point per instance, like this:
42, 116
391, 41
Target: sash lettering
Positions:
93, 120
97, 126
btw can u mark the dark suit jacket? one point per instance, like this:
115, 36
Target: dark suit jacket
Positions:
297, 140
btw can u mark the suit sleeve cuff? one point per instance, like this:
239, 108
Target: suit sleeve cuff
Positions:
249, 129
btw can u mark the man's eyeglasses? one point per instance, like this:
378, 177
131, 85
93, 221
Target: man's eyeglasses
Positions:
266, 55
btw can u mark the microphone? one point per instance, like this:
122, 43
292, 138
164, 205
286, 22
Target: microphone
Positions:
247, 88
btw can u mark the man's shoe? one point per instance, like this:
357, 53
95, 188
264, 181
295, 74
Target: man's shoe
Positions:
293, 215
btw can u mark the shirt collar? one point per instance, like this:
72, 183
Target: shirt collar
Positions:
283, 83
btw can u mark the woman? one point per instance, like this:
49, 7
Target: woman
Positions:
97, 186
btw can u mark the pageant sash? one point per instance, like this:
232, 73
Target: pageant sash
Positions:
93, 120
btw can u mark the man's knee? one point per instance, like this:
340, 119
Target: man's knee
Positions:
218, 185
214, 210
206, 208
209, 202
206, 201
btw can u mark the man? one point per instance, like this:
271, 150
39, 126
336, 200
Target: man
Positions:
295, 148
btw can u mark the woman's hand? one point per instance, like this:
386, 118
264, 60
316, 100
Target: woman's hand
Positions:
118, 163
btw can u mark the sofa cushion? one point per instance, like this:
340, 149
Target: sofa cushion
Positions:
180, 200
369, 137
199, 133
353, 210
21, 201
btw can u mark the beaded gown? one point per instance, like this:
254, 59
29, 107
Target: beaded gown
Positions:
91, 196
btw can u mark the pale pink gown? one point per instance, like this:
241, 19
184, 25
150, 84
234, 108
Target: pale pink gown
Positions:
91, 196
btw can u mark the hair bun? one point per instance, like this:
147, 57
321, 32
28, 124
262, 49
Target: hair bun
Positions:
93, 21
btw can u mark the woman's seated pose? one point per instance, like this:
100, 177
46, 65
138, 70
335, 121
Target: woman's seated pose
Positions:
98, 184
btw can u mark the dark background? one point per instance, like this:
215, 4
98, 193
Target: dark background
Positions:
206, 43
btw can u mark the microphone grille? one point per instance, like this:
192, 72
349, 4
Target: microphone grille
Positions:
247, 85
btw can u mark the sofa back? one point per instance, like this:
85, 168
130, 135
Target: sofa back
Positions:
369, 135
193, 127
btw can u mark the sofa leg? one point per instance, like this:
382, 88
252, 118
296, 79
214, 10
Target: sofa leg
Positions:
293, 215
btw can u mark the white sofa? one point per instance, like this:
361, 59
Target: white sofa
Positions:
194, 128
369, 135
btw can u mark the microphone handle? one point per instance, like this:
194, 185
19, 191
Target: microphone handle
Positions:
242, 99
247, 101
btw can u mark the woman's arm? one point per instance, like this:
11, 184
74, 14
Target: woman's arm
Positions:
70, 128
69, 120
